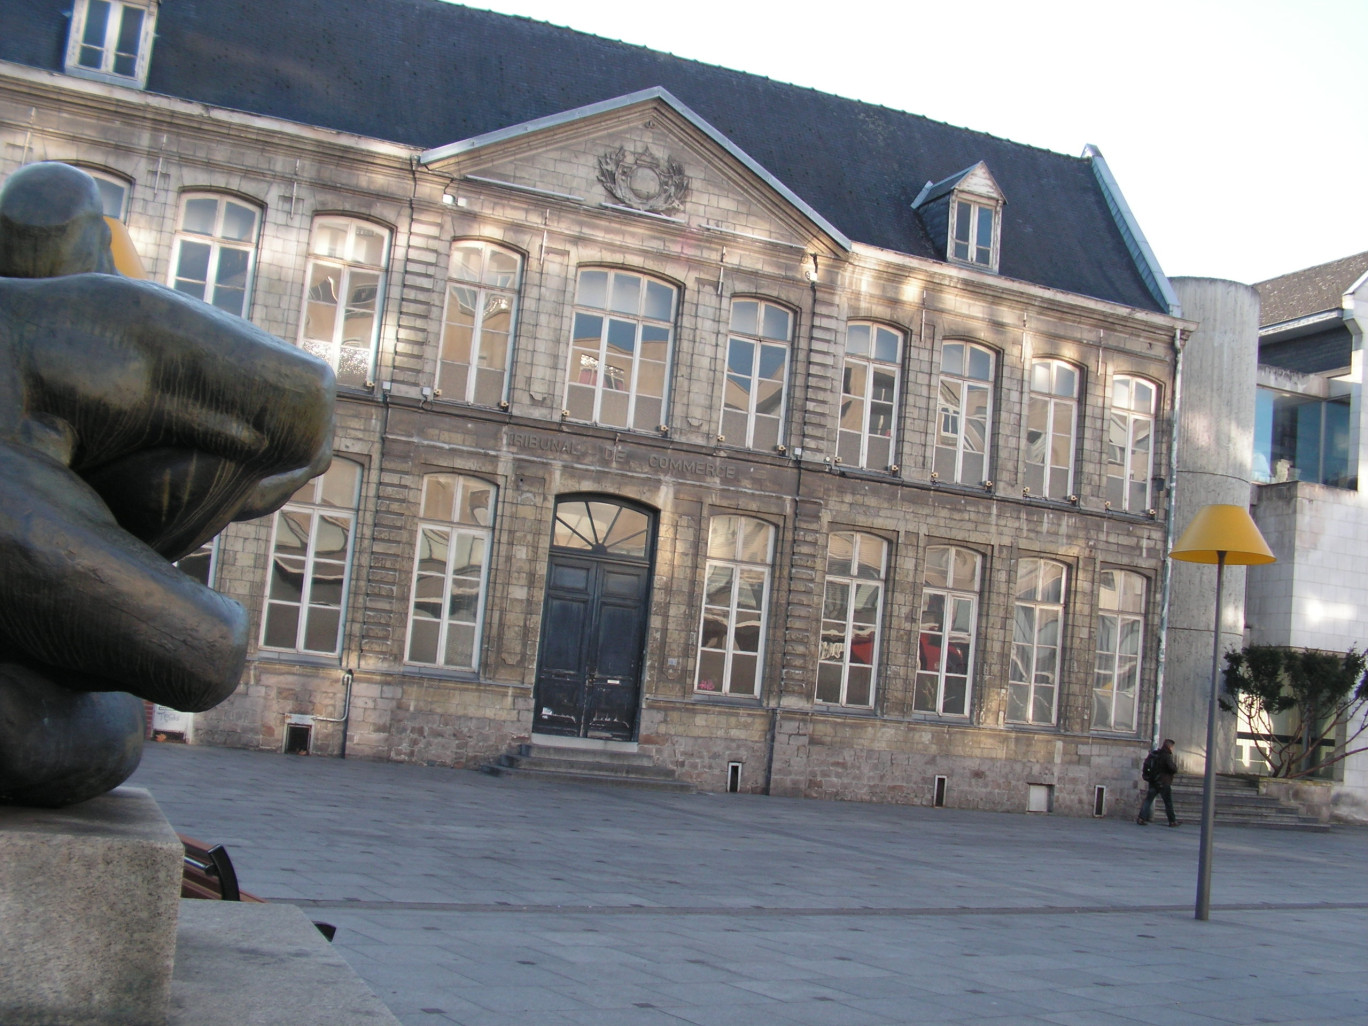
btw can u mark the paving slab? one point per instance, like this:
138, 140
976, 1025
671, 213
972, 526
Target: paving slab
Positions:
467, 899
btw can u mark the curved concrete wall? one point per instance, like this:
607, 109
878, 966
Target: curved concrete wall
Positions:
1215, 448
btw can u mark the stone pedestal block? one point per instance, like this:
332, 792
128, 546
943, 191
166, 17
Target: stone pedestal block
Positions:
89, 897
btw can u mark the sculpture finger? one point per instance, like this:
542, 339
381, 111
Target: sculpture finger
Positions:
81, 595
59, 746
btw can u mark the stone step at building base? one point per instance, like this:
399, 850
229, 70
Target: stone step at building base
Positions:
604, 765
1238, 803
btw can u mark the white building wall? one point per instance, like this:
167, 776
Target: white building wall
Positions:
1215, 448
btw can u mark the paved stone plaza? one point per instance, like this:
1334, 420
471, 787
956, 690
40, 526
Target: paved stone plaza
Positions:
466, 899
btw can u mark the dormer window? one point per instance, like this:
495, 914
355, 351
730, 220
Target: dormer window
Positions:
966, 211
111, 40
972, 233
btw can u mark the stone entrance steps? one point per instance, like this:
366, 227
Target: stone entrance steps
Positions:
1238, 803
586, 765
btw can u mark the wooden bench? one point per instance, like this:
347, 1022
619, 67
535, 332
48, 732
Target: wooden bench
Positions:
208, 873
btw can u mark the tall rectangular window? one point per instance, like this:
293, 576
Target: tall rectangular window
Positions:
1051, 428
1120, 638
311, 544
964, 414
757, 370
620, 350
852, 604
731, 641
479, 323
1037, 628
945, 643
450, 571
869, 395
1130, 444
344, 296
215, 250
111, 40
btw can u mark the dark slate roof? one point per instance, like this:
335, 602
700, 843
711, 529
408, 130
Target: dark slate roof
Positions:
426, 73
1311, 291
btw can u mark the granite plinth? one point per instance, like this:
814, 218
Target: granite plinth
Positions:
240, 964
89, 897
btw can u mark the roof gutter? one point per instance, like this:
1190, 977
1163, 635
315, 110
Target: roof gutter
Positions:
1145, 261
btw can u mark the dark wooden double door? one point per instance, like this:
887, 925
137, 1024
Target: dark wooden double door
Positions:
593, 640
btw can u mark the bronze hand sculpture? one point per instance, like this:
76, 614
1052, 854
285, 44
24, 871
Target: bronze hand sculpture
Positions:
135, 424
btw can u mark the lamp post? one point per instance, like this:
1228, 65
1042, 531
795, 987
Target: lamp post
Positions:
1219, 534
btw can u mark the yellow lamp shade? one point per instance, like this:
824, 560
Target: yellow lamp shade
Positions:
1223, 529
126, 260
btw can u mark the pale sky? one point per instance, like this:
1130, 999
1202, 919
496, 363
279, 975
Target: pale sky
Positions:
1237, 129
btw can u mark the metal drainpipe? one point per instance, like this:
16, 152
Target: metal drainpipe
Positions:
1169, 530
347, 676
797, 495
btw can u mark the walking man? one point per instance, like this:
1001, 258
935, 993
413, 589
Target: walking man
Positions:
1162, 767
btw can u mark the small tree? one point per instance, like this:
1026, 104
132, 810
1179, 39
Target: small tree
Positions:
1327, 692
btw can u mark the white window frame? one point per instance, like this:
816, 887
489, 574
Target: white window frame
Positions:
340, 272
464, 519
1036, 655
1129, 490
107, 182
867, 430
753, 344
206, 555
740, 552
1116, 622
599, 373
218, 245
955, 413
105, 50
957, 591
966, 247
316, 504
1046, 477
841, 593
493, 292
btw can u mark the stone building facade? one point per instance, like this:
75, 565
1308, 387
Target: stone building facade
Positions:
636, 447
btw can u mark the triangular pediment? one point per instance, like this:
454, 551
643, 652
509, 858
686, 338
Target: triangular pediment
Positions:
645, 153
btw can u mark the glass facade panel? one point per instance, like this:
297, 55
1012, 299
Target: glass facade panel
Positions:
310, 563
869, 396
478, 327
852, 609
945, 641
450, 572
735, 601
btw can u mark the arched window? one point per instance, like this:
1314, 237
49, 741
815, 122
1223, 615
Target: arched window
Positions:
344, 296
1037, 631
602, 527
450, 571
311, 543
852, 608
735, 601
479, 323
620, 350
115, 191
949, 618
1130, 443
215, 250
757, 372
1051, 428
869, 395
964, 413
1120, 641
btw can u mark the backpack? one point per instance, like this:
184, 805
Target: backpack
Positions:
1150, 768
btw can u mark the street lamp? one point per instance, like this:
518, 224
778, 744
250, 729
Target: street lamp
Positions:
1219, 534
